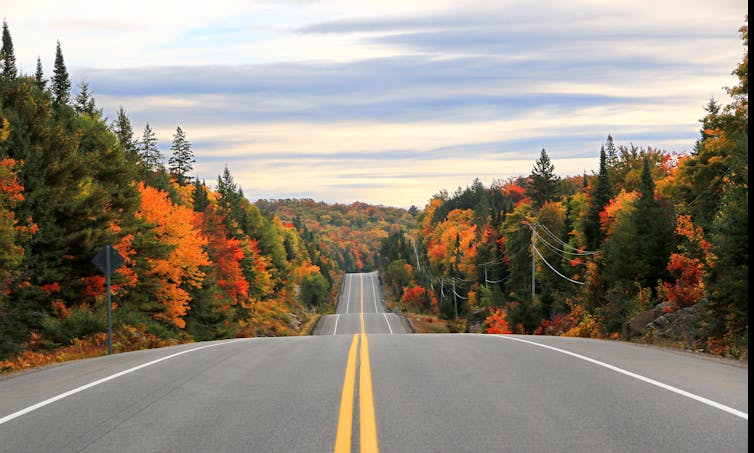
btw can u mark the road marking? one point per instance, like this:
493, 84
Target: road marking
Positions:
367, 422
348, 295
374, 295
701, 399
59, 397
337, 317
388, 323
345, 418
368, 425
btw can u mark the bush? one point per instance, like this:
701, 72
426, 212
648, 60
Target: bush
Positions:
81, 322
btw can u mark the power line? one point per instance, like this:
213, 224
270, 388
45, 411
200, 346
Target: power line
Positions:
553, 269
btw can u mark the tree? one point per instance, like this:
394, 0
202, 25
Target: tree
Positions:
200, 196
182, 160
314, 289
39, 76
599, 197
148, 152
7, 55
61, 83
84, 102
123, 131
543, 179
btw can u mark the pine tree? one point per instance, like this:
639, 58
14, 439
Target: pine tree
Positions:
39, 76
149, 154
84, 102
543, 179
182, 160
122, 129
7, 55
598, 198
61, 83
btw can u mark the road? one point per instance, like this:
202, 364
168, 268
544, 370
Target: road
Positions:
361, 294
379, 391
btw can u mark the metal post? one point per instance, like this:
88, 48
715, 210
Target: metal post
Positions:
109, 304
485, 274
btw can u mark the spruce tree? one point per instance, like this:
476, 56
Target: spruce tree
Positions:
612, 153
182, 160
84, 102
148, 152
599, 197
39, 76
543, 179
7, 55
201, 197
123, 131
61, 83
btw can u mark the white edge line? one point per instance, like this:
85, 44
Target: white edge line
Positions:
701, 399
388, 323
348, 295
59, 397
337, 317
374, 294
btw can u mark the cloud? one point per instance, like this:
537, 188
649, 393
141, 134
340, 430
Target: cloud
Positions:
388, 102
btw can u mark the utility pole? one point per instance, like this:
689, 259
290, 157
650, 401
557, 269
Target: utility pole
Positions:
485, 275
455, 298
533, 264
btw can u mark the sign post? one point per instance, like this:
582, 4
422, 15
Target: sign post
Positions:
107, 260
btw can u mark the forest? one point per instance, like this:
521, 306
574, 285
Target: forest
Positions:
200, 262
651, 235
653, 238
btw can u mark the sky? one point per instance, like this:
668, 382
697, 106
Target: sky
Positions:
391, 102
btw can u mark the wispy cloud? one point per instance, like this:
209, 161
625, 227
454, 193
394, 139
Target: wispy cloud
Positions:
391, 101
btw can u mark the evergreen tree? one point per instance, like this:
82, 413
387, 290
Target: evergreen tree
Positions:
148, 153
201, 197
61, 83
182, 160
84, 102
612, 153
123, 131
7, 55
543, 179
39, 76
598, 198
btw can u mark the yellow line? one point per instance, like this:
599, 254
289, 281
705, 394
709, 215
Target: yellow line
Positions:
345, 419
368, 427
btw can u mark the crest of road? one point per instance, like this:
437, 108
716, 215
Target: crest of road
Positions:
361, 296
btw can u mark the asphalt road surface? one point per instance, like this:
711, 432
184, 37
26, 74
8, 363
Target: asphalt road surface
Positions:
356, 391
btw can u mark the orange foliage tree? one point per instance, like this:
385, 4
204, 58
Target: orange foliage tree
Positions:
174, 226
496, 322
689, 266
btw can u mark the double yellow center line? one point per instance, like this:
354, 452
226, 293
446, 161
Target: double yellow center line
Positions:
367, 424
